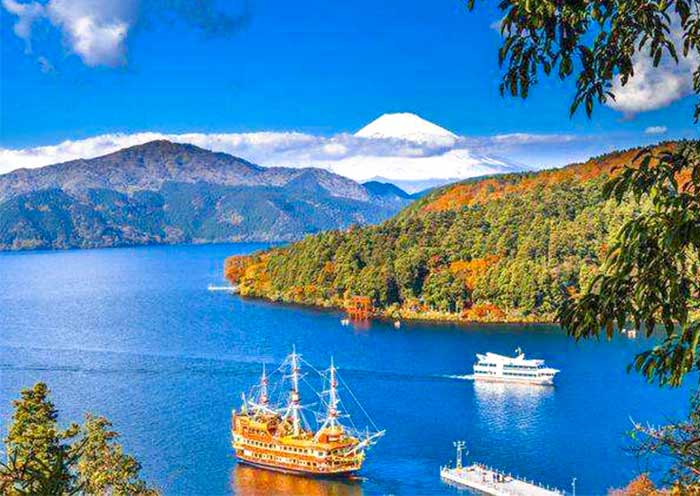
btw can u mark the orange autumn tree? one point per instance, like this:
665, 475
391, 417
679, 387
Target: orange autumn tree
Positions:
473, 270
235, 267
470, 273
641, 486
250, 273
484, 312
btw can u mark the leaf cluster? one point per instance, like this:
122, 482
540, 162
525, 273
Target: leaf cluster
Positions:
594, 41
651, 275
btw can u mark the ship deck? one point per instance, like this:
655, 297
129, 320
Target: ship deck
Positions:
494, 483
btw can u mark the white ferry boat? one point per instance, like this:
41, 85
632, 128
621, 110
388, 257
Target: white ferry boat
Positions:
494, 367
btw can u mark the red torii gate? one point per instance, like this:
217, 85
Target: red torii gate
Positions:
359, 307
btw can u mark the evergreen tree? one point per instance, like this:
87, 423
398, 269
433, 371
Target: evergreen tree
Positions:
43, 460
38, 453
103, 467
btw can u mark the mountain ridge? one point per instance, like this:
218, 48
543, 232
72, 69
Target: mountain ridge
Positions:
164, 192
142, 167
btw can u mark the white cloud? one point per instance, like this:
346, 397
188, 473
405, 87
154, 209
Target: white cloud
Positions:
97, 30
93, 30
352, 156
656, 130
528, 138
652, 87
27, 14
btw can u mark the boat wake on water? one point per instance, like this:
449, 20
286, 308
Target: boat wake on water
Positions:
466, 377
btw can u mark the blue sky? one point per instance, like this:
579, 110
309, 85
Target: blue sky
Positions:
317, 67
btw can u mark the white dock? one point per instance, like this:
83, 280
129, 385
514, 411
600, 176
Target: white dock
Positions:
494, 482
226, 289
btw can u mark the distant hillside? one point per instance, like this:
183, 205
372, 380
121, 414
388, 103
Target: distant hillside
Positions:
503, 248
163, 192
386, 190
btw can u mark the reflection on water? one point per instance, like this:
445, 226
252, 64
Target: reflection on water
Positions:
503, 404
252, 481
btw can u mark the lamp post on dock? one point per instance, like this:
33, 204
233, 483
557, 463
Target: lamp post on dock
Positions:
573, 486
460, 446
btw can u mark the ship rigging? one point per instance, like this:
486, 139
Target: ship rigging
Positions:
277, 435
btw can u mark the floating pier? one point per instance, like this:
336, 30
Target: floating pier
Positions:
225, 289
491, 481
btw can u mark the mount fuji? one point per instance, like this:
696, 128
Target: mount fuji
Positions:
406, 150
408, 127
400, 148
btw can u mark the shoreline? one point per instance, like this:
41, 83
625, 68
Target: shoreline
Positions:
427, 317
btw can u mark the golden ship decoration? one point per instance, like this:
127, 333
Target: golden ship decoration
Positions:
278, 436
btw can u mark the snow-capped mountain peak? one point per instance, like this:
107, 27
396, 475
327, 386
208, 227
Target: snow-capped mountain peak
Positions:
408, 127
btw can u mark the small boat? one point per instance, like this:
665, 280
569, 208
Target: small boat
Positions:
397, 324
277, 436
518, 369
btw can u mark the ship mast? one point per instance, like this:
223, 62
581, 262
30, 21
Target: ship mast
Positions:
263, 400
293, 407
332, 412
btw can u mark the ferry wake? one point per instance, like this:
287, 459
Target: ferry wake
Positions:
277, 436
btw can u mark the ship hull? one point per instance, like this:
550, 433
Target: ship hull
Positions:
341, 474
534, 381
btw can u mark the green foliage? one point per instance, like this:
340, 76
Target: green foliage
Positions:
38, 451
42, 460
103, 467
652, 273
593, 40
180, 212
32, 476
515, 251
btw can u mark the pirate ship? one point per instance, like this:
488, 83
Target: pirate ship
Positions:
276, 435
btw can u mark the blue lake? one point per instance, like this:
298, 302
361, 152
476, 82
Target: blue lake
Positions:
133, 334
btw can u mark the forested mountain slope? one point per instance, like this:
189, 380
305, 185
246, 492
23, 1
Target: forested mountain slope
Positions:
504, 248
163, 192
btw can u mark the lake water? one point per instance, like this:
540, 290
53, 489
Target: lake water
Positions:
133, 334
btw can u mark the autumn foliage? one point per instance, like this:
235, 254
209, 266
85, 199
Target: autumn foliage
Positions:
473, 270
507, 248
641, 486
484, 312
234, 268
471, 193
